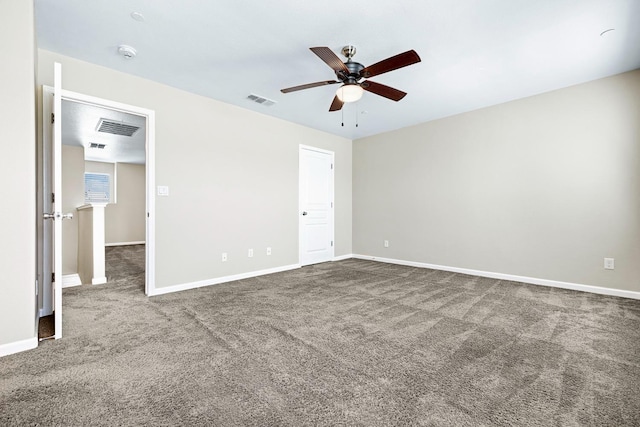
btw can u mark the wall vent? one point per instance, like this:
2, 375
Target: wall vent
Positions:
116, 128
261, 100
96, 145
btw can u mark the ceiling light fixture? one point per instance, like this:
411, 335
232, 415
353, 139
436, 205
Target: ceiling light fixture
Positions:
127, 51
349, 93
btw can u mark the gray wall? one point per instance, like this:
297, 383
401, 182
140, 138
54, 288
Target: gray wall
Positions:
125, 220
232, 174
17, 173
72, 197
543, 187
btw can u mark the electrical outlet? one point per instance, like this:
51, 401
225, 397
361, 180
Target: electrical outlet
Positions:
269, 251
609, 264
224, 257
386, 243
250, 254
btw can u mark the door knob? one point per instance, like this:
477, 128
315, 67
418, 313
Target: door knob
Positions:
57, 215
304, 213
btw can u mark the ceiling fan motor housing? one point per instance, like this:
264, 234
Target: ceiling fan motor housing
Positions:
354, 72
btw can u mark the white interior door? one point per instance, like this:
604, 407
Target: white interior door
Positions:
316, 205
45, 287
52, 192
57, 198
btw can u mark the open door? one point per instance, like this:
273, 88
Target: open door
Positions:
52, 217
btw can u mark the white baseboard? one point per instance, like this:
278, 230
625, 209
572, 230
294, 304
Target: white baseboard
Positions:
342, 257
18, 346
524, 279
125, 243
99, 280
70, 280
219, 280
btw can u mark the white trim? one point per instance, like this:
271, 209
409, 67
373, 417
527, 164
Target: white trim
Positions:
319, 150
99, 280
342, 257
524, 279
150, 237
225, 279
57, 191
71, 280
125, 243
18, 346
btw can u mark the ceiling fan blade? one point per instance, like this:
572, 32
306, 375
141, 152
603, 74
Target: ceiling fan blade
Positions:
308, 86
336, 105
409, 57
383, 90
330, 58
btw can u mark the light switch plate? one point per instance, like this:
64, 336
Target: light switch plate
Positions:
163, 190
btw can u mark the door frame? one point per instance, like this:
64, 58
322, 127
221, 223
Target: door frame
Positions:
332, 154
150, 249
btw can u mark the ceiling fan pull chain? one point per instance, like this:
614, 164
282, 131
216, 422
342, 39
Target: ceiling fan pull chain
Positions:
342, 111
356, 115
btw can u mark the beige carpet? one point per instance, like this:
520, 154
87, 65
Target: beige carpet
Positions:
351, 343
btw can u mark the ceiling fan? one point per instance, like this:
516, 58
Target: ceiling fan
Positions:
351, 75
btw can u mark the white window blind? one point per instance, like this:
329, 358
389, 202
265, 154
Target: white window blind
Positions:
96, 187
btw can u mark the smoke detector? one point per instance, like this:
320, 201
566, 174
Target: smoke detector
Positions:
127, 51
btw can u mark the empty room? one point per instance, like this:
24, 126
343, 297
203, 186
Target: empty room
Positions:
290, 213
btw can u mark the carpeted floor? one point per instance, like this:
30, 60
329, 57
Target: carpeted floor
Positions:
353, 343
125, 263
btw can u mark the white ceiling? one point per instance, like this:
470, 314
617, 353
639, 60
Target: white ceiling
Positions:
79, 128
475, 53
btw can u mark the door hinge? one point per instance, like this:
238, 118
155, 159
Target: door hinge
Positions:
332, 243
331, 204
53, 277
53, 197
53, 118
331, 165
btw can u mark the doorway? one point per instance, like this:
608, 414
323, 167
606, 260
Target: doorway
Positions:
316, 224
86, 122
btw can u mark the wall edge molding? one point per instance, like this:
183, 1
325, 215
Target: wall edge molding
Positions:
18, 346
70, 280
342, 257
511, 277
141, 242
220, 280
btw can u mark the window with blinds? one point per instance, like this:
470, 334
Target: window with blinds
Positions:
96, 188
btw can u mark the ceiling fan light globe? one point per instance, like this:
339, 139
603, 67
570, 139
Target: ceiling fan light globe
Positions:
349, 93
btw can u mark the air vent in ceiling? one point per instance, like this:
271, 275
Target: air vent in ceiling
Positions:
261, 100
116, 128
96, 145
